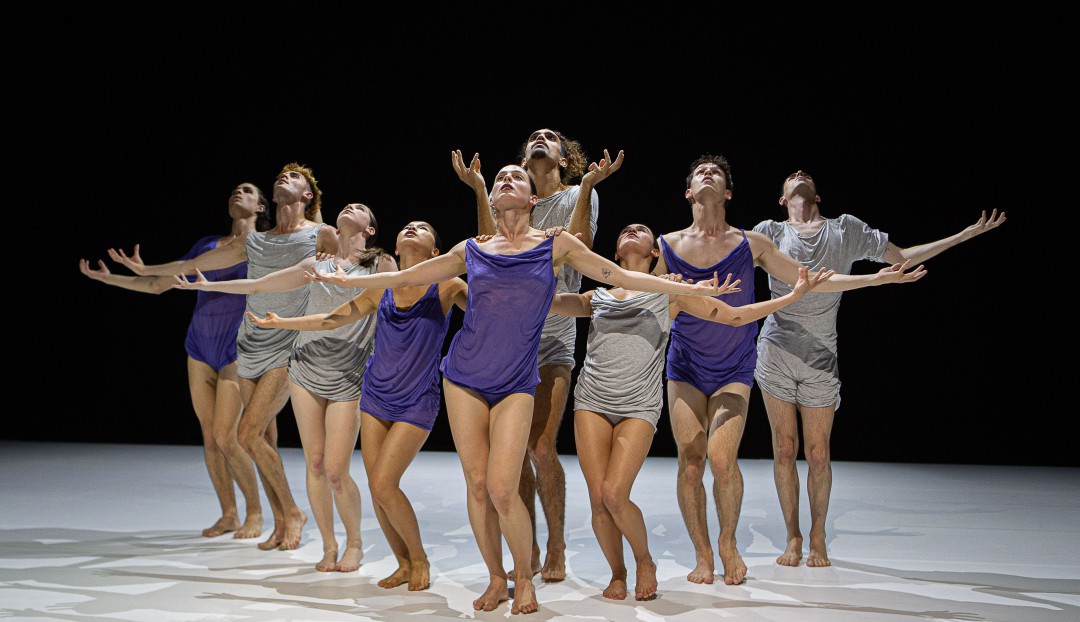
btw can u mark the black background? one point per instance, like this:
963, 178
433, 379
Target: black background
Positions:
143, 122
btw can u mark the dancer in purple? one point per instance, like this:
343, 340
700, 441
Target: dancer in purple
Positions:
399, 397
511, 281
711, 366
211, 348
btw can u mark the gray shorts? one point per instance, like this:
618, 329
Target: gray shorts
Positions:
786, 377
558, 341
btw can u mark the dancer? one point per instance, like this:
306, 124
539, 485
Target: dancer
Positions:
797, 349
710, 367
553, 162
614, 429
262, 356
400, 397
211, 364
490, 373
325, 375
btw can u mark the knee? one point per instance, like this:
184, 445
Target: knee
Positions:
250, 440
380, 492
315, 466
336, 475
786, 451
817, 457
691, 468
502, 496
615, 498
724, 466
477, 488
210, 442
544, 453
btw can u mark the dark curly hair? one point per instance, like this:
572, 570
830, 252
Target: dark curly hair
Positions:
576, 160
718, 160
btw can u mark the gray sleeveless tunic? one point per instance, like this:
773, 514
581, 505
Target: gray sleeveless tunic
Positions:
624, 362
560, 333
258, 350
330, 363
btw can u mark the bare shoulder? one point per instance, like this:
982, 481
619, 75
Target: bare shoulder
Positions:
759, 243
387, 263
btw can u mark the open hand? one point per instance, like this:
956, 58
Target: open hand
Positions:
469, 174
133, 263
601, 171
97, 275
896, 273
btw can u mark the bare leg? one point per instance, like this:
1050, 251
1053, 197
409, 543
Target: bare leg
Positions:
728, 408
497, 436
227, 409
393, 446
629, 448
202, 383
527, 491
785, 442
342, 429
817, 429
687, 407
548, 409
310, 411
469, 418
264, 400
593, 435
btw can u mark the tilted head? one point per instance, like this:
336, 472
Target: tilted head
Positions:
566, 153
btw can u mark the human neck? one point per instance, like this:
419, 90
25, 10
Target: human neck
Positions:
710, 216
289, 217
546, 178
514, 222
243, 226
636, 263
351, 244
410, 257
802, 210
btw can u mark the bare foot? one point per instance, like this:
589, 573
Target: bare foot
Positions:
225, 524
554, 569
294, 528
419, 577
252, 527
328, 562
497, 592
734, 568
818, 558
524, 597
793, 554
275, 538
616, 590
703, 572
350, 559
401, 575
645, 588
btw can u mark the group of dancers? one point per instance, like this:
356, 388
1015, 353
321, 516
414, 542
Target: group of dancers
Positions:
352, 336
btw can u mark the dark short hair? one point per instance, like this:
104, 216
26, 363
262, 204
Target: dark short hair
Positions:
718, 160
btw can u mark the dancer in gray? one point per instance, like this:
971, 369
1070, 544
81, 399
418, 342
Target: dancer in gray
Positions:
797, 356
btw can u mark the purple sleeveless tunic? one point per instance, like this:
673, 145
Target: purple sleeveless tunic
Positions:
211, 334
494, 353
709, 355
401, 382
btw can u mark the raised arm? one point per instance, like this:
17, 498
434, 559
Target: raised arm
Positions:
581, 218
922, 252
144, 284
434, 270
780, 265
214, 259
281, 281
364, 304
572, 305
471, 177
714, 310
572, 251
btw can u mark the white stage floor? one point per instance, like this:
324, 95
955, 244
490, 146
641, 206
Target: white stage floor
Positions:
111, 532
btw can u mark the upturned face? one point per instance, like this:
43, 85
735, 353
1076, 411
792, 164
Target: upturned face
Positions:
244, 201
635, 239
511, 188
544, 144
418, 234
291, 187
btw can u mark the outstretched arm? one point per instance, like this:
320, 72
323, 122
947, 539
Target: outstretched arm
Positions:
572, 251
572, 305
782, 266
714, 310
922, 252
281, 281
214, 259
470, 175
426, 272
364, 304
581, 218
145, 284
